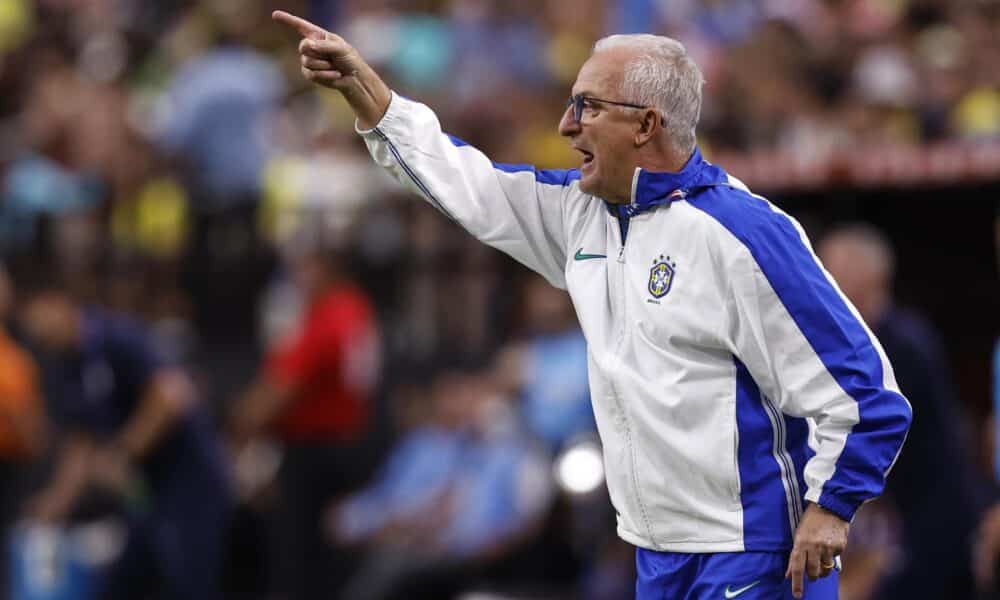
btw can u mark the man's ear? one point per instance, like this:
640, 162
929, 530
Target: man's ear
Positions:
649, 125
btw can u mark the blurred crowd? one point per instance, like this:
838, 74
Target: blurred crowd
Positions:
188, 229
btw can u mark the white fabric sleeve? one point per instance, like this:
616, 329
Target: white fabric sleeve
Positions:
518, 210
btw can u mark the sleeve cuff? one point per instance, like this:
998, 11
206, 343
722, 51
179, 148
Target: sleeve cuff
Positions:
388, 117
844, 510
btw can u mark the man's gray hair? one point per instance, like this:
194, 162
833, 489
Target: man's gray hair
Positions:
662, 76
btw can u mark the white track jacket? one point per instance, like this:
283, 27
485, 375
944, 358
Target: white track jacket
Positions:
731, 379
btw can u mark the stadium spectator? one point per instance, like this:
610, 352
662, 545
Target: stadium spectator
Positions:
219, 103
132, 426
933, 474
547, 367
315, 395
457, 496
22, 424
22, 421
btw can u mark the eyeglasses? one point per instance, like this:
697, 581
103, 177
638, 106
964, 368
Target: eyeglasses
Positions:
579, 100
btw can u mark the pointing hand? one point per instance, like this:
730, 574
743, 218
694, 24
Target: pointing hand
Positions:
326, 58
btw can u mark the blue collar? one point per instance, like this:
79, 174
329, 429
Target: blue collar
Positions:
651, 188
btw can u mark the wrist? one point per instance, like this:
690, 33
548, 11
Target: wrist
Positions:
834, 506
369, 96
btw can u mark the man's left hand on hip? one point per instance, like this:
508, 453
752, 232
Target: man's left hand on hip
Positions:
819, 540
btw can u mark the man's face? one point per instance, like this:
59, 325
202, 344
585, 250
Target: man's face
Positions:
605, 135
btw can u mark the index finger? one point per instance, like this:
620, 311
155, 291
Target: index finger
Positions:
796, 565
305, 28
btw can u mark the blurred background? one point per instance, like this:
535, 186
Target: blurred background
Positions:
239, 362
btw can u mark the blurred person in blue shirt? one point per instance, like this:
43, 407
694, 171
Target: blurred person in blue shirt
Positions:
414, 476
131, 425
457, 494
216, 111
933, 473
548, 368
35, 186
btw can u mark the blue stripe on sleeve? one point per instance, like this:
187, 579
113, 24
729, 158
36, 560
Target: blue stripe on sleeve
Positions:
413, 176
836, 336
560, 177
766, 524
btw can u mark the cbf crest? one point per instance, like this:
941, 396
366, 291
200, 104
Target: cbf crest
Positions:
661, 276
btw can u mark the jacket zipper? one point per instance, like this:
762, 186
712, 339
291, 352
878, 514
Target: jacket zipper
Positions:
614, 387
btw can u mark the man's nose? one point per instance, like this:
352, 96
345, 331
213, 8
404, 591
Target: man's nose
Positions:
567, 124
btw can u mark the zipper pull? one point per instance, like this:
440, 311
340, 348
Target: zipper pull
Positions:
621, 253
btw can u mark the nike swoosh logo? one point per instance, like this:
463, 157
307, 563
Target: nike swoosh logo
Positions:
581, 256
733, 593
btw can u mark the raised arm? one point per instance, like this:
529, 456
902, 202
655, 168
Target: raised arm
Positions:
517, 209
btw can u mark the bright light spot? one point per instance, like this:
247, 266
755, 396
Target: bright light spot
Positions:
580, 469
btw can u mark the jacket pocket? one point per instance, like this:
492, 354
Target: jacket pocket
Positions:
735, 484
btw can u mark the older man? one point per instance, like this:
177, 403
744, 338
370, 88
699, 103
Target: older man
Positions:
933, 477
746, 411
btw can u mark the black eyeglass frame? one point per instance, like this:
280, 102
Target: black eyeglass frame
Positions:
577, 100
